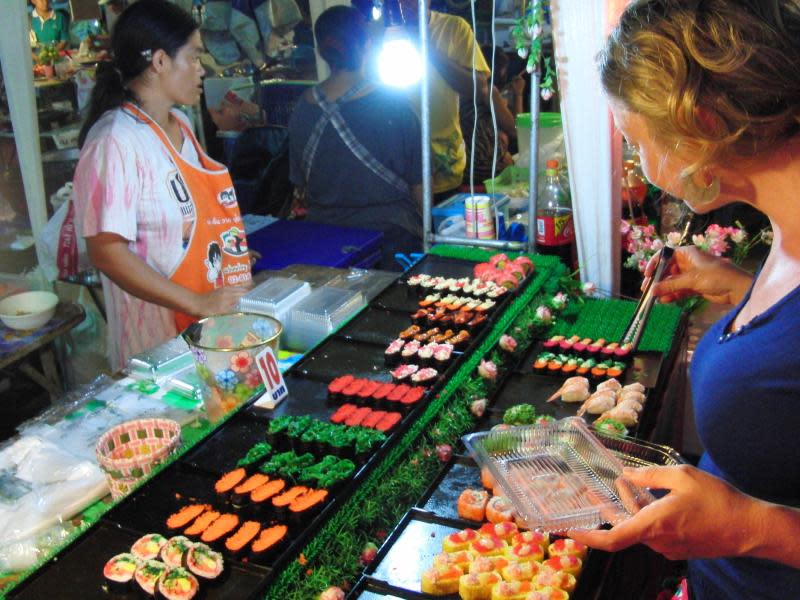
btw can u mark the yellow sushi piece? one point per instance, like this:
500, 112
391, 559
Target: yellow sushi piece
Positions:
477, 586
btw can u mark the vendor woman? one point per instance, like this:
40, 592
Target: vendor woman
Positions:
709, 93
157, 213
48, 26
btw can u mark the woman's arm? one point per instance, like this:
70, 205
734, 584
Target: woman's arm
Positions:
702, 517
505, 120
109, 252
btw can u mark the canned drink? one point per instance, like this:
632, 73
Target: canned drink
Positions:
478, 217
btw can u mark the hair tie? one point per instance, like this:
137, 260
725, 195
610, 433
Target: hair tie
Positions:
147, 54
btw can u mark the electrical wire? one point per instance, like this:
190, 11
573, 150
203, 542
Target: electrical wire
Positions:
494, 118
474, 124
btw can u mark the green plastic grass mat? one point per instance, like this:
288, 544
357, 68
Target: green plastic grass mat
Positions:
609, 318
481, 255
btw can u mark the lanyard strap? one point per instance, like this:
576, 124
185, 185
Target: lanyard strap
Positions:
361, 152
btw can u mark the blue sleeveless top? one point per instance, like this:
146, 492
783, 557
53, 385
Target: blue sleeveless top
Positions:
746, 391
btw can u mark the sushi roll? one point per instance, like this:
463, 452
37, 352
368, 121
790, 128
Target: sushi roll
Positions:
567, 343
585, 366
415, 281
380, 395
521, 571
149, 546
616, 369
186, 515
397, 394
500, 510
409, 332
447, 334
512, 590
336, 386
460, 540
477, 586
242, 491
567, 547
487, 564
372, 419
281, 503
595, 347
201, 523
243, 537
220, 528
268, 541
229, 481
350, 391
409, 351
442, 354
404, 372
307, 505
555, 579
524, 552
148, 574
461, 318
567, 563
343, 412
255, 455
497, 293
420, 317
413, 396
553, 341
476, 322
505, 530
365, 393
425, 354
388, 422
177, 584
534, 537
441, 580
548, 593
488, 546
391, 355
425, 335
119, 571
471, 504
260, 498
623, 352
173, 551
429, 300
358, 416
204, 562
540, 364
581, 345
424, 377
459, 340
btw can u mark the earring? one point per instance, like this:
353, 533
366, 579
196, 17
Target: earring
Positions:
696, 194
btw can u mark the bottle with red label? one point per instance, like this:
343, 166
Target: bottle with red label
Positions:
555, 232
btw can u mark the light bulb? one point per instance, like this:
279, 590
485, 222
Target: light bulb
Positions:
399, 63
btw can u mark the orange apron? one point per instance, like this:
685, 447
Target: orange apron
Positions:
214, 243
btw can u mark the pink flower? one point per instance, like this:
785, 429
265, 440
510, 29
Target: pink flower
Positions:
589, 288
544, 315
224, 341
253, 378
332, 593
507, 343
673, 239
559, 301
718, 247
641, 265
478, 407
649, 231
488, 370
546, 94
241, 361
738, 236
624, 227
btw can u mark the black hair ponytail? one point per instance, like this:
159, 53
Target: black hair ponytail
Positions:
141, 30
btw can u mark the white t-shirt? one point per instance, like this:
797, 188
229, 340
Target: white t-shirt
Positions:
122, 185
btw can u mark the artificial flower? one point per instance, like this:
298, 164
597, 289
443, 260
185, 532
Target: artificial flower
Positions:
487, 369
507, 343
544, 315
589, 289
478, 407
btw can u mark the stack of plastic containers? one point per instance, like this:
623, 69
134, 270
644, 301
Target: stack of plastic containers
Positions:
275, 297
317, 315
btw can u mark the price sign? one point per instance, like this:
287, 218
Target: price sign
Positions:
273, 380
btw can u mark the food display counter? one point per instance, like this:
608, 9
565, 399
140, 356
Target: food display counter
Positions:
366, 449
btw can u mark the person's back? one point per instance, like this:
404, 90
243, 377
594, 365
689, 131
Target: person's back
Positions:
355, 150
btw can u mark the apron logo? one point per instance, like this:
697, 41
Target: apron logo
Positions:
214, 265
234, 242
227, 197
180, 193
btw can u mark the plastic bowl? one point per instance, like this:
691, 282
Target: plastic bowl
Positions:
29, 310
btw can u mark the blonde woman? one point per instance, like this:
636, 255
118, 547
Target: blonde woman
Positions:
709, 92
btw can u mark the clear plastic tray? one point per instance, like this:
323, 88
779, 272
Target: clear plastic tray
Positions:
558, 476
159, 363
370, 282
275, 297
319, 314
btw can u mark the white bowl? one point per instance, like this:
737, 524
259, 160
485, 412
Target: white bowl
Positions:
28, 310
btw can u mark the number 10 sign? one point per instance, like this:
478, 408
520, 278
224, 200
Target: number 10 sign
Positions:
276, 389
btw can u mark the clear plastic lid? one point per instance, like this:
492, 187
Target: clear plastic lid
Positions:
274, 296
327, 305
558, 475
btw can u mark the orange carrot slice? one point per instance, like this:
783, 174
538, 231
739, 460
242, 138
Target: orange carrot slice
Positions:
186, 515
308, 500
230, 480
243, 536
222, 526
251, 483
268, 490
269, 537
202, 522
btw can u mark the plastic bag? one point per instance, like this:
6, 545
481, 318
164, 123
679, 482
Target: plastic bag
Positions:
64, 249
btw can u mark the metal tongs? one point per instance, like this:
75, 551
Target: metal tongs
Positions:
633, 332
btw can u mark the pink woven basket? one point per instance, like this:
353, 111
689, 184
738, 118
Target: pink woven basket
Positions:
131, 450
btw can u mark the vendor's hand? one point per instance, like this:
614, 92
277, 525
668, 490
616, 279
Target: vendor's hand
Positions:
254, 256
223, 300
693, 272
701, 517
227, 117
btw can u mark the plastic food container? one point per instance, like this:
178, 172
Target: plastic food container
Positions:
558, 476
225, 348
275, 297
319, 314
161, 362
131, 450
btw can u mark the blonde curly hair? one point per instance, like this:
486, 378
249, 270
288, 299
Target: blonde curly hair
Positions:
719, 77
